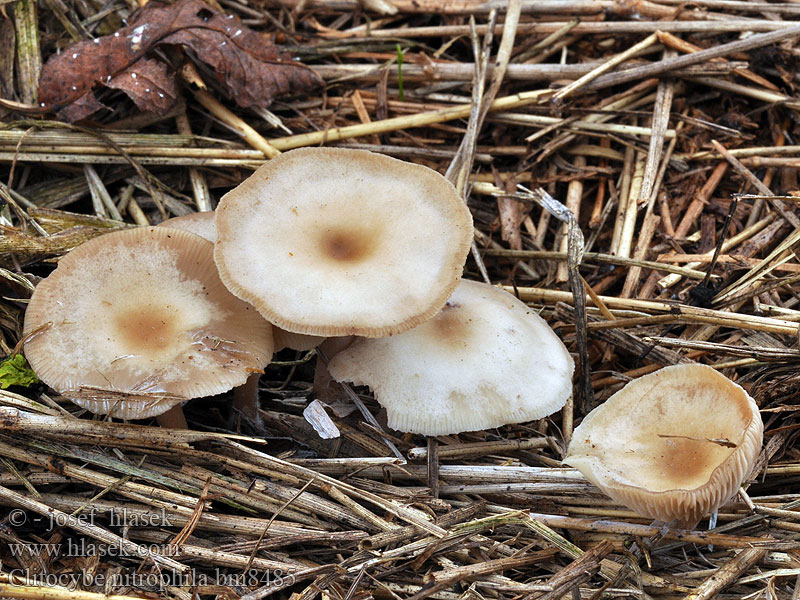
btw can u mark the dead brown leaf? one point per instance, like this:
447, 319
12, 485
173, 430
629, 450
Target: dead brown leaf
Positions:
148, 84
250, 68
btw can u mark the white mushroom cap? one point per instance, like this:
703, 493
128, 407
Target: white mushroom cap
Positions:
142, 312
331, 242
199, 223
485, 360
675, 444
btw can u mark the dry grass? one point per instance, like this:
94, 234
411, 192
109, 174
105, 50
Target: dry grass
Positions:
667, 129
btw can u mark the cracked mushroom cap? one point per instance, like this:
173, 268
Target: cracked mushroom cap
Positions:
485, 360
675, 444
199, 223
333, 242
139, 321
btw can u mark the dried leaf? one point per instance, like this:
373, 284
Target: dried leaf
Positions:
250, 67
148, 84
86, 105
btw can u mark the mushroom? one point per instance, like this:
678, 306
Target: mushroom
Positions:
675, 444
295, 341
335, 242
136, 321
485, 360
199, 223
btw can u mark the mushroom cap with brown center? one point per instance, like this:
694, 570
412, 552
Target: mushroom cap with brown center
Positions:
485, 360
139, 320
675, 444
331, 242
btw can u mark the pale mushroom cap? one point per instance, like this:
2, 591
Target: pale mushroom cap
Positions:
295, 341
485, 360
663, 444
330, 242
142, 312
200, 223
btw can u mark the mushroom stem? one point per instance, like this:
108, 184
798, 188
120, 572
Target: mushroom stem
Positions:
245, 398
173, 418
325, 388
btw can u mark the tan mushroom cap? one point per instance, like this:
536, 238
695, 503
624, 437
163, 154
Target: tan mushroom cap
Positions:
331, 242
200, 223
675, 444
142, 312
485, 360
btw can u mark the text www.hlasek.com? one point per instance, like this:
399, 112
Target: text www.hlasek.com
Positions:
83, 548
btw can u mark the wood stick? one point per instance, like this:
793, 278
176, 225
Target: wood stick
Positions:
755, 182
758, 40
649, 225
696, 206
457, 451
672, 41
573, 203
624, 199
405, 122
582, 28
699, 315
561, 94
631, 213
644, 531
727, 574
660, 121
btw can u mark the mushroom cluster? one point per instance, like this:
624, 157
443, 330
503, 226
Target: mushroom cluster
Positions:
320, 242
331, 242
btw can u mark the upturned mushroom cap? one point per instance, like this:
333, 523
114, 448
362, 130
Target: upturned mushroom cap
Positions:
675, 444
485, 360
200, 223
331, 242
141, 321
